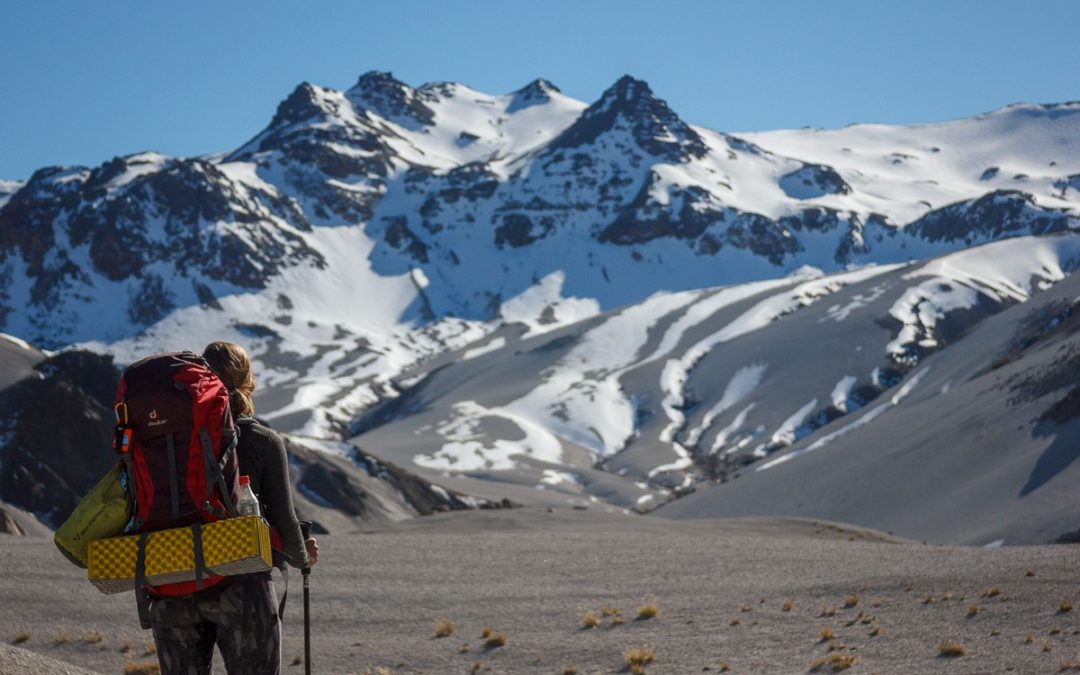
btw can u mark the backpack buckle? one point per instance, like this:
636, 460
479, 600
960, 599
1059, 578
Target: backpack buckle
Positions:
218, 513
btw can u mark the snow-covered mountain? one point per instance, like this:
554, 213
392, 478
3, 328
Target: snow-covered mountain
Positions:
370, 243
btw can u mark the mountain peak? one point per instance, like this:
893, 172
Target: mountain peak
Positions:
305, 102
628, 88
536, 92
378, 80
630, 103
388, 97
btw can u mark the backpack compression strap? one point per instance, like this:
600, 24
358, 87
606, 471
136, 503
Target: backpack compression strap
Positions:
200, 561
215, 471
142, 600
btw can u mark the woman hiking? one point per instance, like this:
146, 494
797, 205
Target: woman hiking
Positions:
241, 618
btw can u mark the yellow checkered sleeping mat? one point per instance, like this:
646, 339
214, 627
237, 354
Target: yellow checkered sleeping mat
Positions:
231, 546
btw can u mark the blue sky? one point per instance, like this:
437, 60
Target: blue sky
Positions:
82, 82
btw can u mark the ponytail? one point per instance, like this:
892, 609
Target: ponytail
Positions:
231, 363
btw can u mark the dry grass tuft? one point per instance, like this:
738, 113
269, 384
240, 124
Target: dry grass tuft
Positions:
151, 648
569, 670
827, 634
724, 667
1029, 573
126, 647
590, 620
476, 666
787, 606
610, 611
947, 595
851, 601
875, 631
951, 649
1065, 606
835, 662
973, 610
991, 592
21, 638
647, 611
297, 661
617, 621
735, 622
639, 656
495, 640
465, 649
928, 600
828, 611
486, 632
1070, 665
61, 638
744, 608
836, 646
1029, 639
93, 638
445, 628
142, 668
1047, 647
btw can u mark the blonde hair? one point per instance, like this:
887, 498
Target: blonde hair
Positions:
231, 363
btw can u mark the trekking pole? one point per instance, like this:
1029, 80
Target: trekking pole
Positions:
305, 529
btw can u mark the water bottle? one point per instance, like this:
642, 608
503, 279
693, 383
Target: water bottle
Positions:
246, 503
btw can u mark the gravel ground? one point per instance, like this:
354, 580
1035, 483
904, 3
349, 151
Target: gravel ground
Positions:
747, 595
16, 660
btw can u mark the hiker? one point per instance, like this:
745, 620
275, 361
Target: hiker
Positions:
240, 615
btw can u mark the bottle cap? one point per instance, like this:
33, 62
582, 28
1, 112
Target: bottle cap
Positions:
245, 480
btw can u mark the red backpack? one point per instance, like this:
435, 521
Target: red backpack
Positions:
176, 432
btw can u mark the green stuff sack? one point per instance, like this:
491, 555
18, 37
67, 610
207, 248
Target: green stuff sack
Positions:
102, 513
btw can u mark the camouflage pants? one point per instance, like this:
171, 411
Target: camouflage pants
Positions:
242, 620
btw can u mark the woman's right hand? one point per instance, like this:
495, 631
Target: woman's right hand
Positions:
312, 551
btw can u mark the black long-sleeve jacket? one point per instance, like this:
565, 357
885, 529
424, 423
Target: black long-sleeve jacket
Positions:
262, 457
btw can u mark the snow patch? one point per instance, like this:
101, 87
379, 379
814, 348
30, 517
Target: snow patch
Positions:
841, 392
491, 346
863, 420
465, 452
741, 385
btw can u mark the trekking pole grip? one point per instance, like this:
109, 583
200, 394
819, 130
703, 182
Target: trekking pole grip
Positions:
305, 531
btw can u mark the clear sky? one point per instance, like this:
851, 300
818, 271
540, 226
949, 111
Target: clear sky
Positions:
81, 82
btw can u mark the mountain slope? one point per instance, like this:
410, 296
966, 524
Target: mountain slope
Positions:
977, 446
